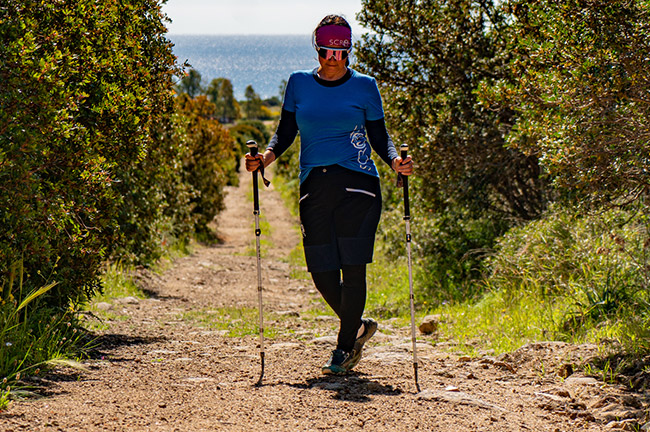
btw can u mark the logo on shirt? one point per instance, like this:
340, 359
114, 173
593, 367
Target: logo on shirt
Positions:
359, 141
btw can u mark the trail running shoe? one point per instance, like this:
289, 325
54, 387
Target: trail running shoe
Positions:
370, 327
338, 363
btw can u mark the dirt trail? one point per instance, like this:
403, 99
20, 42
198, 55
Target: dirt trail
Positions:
164, 367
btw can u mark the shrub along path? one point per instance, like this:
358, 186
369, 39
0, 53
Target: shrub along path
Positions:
186, 359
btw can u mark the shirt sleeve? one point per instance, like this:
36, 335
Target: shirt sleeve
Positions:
289, 102
287, 129
285, 133
380, 141
374, 106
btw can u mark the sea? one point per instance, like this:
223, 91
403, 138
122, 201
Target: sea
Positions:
261, 61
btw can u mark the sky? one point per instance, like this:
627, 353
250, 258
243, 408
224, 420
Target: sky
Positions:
239, 17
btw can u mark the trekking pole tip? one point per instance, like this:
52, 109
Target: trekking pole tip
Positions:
415, 375
259, 381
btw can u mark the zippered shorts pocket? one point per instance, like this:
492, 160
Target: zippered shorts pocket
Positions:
360, 191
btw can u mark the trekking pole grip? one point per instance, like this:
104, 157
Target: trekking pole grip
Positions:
252, 146
404, 149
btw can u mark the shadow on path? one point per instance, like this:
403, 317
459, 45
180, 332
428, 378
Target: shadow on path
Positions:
113, 341
352, 387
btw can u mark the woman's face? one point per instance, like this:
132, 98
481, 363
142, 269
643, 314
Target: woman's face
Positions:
332, 60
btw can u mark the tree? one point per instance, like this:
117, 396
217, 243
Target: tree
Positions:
247, 130
581, 94
220, 92
191, 84
253, 105
282, 88
429, 60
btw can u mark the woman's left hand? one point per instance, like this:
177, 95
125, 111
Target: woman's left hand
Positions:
404, 167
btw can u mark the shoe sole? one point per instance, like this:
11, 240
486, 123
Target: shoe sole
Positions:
360, 342
327, 371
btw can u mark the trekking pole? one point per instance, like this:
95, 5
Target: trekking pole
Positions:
407, 220
252, 145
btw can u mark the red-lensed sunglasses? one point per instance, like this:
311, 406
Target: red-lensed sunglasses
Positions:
337, 53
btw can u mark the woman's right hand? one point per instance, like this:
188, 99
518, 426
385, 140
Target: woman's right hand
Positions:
404, 167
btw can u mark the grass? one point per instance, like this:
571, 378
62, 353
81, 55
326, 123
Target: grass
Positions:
175, 249
502, 322
265, 238
288, 189
571, 278
242, 322
498, 323
297, 264
117, 283
236, 322
388, 289
535, 302
265, 232
33, 337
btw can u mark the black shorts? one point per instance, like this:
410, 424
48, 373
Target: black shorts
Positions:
339, 214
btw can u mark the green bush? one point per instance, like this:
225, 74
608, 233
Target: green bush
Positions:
468, 187
210, 161
577, 79
246, 130
156, 212
448, 247
86, 94
97, 164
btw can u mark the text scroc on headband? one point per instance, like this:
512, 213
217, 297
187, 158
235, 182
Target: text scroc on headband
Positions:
334, 35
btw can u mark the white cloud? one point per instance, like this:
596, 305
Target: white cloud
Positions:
255, 16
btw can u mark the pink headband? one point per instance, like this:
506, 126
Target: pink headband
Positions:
334, 36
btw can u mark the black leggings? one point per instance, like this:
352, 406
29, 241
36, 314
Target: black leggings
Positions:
347, 297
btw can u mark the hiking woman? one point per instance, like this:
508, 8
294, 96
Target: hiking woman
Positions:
340, 116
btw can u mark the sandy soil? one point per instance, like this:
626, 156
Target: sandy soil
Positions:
164, 363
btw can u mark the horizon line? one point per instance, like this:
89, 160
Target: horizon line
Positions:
238, 34
246, 34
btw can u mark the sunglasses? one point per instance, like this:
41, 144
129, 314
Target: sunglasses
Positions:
337, 53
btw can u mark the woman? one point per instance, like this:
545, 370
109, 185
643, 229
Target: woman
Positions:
340, 116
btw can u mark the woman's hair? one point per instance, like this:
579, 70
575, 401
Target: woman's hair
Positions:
331, 20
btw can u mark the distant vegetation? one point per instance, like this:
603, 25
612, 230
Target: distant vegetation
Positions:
250, 119
228, 109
